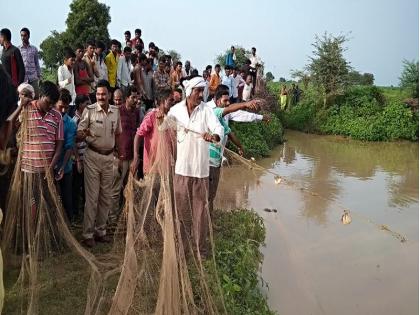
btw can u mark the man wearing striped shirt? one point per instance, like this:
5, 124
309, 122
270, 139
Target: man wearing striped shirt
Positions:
42, 146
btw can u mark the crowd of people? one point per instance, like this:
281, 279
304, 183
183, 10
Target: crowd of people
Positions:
99, 122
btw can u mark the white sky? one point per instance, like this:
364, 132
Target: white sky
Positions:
382, 33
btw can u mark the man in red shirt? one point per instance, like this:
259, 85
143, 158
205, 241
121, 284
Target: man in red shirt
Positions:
137, 42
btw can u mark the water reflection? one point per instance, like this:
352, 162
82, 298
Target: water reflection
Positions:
306, 243
334, 157
319, 164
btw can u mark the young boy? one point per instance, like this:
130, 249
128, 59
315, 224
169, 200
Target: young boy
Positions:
246, 94
78, 189
65, 164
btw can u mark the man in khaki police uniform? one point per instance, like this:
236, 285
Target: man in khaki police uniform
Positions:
99, 126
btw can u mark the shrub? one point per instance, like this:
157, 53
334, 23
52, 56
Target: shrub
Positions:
362, 113
399, 122
240, 235
258, 138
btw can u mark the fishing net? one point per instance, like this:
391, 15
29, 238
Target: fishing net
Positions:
163, 270
156, 264
36, 230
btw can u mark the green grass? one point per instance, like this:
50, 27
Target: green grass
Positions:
239, 237
394, 93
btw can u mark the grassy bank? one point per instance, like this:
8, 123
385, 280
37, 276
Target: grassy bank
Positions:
238, 236
363, 113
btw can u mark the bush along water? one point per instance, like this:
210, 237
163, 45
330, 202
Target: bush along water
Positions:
238, 238
363, 113
258, 138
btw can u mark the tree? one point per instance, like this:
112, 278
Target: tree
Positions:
410, 77
282, 80
328, 68
52, 50
368, 79
356, 78
301, 76
269, 76
87, 20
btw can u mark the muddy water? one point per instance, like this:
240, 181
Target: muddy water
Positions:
312, 262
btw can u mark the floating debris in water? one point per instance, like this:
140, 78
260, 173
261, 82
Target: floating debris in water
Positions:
270, 210
345, 218
277, 180
385, 228
252, 159
397, 235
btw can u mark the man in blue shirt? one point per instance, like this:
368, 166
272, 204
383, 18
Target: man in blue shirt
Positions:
222, 109
231, 58
65, 164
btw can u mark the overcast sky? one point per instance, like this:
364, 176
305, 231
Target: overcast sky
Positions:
382, 33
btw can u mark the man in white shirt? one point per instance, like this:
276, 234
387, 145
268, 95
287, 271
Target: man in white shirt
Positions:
246, 93
240, 115
237, 82
228, 80
65, 75
100, 62
196, 126
187, 70
124, 69
255, 65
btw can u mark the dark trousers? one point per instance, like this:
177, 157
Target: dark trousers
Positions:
253, 73
66, 195
148, 104
78, 190
233, 100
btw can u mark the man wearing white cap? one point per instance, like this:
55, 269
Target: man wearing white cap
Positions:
196, 126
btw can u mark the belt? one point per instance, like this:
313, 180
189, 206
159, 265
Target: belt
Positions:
99, 151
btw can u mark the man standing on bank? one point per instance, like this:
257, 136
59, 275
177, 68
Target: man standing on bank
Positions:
100, 127
30, 59
197, 126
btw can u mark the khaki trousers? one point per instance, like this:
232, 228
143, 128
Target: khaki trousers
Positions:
98, 185
191, 204
119, 179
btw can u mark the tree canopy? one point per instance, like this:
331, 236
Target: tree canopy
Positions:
269, 76
87, 20
357, 78
410, 77
328, 69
